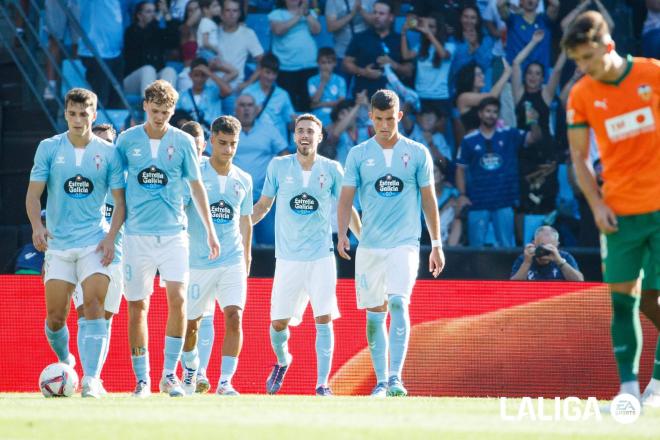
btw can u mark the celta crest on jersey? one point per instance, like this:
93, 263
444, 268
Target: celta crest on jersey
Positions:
389, 186
152, 178
304, 204
78, 187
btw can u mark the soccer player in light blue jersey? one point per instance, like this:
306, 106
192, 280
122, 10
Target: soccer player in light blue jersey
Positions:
116, 286
393, 176
78, 169
223, 280
160, 159
304, 184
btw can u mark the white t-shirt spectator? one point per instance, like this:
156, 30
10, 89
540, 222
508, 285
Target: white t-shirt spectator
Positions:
237, 46
206, 25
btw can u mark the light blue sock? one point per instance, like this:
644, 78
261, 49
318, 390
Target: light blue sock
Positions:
325, 344
59, 342
377, 339
108, 326
80, 340
228, 368
279, 341
206, 336
399, 333
190, 359
173, 347
96, 337
141, 367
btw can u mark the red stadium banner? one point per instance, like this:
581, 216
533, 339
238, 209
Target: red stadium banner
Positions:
469, 338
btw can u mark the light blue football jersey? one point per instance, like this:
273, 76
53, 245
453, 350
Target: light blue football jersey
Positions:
76, 189
155, 183
303, 229
389, 195
228, 203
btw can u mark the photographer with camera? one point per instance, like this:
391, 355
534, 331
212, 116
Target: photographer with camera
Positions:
543, 261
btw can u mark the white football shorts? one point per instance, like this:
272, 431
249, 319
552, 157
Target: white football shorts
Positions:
226, 285
73, 265
115, 290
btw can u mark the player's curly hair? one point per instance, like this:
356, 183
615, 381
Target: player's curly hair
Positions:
588, 28
82, 96
160, 92
226, 124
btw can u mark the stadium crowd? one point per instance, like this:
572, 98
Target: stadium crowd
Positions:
450, 60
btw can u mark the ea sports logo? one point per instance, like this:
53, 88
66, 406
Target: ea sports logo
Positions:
625, 408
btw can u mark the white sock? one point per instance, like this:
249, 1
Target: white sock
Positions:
654, 385
630, 387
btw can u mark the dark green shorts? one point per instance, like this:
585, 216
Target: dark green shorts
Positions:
635, 245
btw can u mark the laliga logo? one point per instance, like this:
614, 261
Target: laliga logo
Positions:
625, 409
571, 409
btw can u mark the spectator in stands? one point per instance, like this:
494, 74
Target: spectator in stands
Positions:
207, 30
58, 28
106, 132
344, 133
469, 85
30, 261
427, 130
101, 22
450, 9
274, 102
145, 44
326, 89
238, 43
487, 175
345, 18
188, 32
473, 45
370, 50
522, 25
180, 118
582, 6
451, 224
292, 25
178, 9
204, 99
543, 261
651, 30
258, 145
195, 130
538, 163
434, 57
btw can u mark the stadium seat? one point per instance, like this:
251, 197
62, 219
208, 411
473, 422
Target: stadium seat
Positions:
324, 38
9, 240
259, 24
70, 77
117, 117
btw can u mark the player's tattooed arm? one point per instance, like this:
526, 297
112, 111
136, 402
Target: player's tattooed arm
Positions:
432, 217
261, 208
578, 139
107, 245
344, 212
245, 226
201, 200
40, 234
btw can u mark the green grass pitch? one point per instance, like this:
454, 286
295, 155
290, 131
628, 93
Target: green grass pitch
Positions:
119, 417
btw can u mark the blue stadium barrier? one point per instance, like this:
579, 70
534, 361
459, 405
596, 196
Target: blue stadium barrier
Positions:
259, 24
71, 77
119, 118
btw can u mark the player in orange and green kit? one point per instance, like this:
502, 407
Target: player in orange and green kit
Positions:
619, 98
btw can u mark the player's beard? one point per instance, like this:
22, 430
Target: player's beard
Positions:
305, 151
